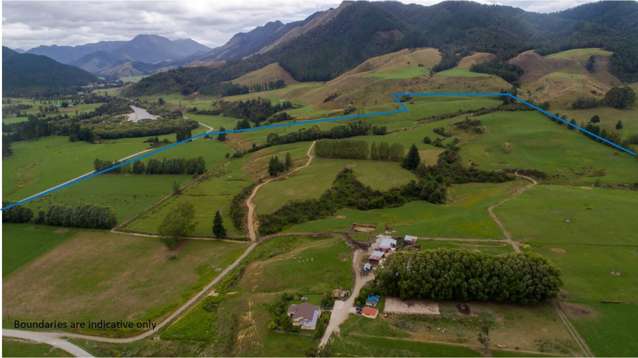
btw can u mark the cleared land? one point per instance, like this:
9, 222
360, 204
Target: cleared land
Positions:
591, 236
97, 275
465, 215
23, 243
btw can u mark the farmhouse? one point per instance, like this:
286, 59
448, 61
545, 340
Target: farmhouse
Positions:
304, 315
385, 243
376, 256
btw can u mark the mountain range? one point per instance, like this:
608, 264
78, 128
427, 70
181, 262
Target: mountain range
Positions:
141, 55
27, 74
330, 42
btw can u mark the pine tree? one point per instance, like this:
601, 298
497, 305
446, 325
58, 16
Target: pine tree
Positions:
218, 226
222, 136
619, 125
288, 163
412, 160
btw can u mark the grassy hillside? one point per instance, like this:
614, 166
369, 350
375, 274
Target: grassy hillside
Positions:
266, 74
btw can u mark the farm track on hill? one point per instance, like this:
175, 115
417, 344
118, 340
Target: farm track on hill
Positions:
252, 223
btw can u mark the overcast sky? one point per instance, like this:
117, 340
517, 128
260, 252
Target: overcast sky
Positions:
27, 24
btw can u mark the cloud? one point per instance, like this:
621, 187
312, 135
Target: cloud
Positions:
27, 24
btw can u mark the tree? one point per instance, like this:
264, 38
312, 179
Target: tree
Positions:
620, 97
412, 160
138, 167
619, 125
176, 189
177, 224
275, 166
161, 101
595, 119
288, 163
222, 135
218, 226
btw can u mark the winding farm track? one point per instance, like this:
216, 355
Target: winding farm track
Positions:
252, 223
506, 234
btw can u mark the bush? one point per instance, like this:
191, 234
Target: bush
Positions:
468, 276
620, 97
238, 208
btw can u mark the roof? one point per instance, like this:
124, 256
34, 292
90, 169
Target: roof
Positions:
376, 255
410, 238
304, 311
369, 312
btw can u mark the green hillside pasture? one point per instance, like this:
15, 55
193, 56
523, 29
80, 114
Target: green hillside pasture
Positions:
208, 196
464, 216
39, 164
309, 267
526, 328
596, 252
19, 348
257, 163
420, 108
214, 121
23, 243
461, 72
400, 73
538, 143
311, 182
580, 54
127, 194
98, 275
608, 118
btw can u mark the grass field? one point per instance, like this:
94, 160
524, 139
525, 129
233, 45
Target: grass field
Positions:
538, 143
97, 275
591, 236
400, 73
465, 215
20, 348
609, 117
208, 196
39, 164
460, 72
524, 328
23, 243
238, 325
311, 182
387, 347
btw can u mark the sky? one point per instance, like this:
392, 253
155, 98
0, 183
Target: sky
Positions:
27, 24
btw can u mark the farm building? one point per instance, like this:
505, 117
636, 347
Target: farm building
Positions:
370, 312
373, 300
304, 315
385, 243
409, 239
376, 256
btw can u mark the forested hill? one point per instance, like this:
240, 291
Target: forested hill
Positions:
341, 38
28, 75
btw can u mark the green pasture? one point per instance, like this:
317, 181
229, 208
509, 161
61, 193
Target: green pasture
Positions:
464, 216
19, 348
23, 243
535, 142
311, 182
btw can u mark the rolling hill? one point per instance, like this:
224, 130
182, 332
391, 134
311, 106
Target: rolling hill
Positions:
317, 50
29, 75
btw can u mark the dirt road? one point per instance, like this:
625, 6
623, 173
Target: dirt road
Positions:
342, 309
517, 193
252, 223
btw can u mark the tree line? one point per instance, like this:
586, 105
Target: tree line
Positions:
348, 191
447, 274
359, 149
190, 166
82, 216
353, 129
255, 110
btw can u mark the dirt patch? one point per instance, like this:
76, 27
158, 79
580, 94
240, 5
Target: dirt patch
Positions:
396, 305
577, 310
558, 250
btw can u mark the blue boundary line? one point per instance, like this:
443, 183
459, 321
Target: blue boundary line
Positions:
396, 97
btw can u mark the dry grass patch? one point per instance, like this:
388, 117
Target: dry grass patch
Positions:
98, 275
